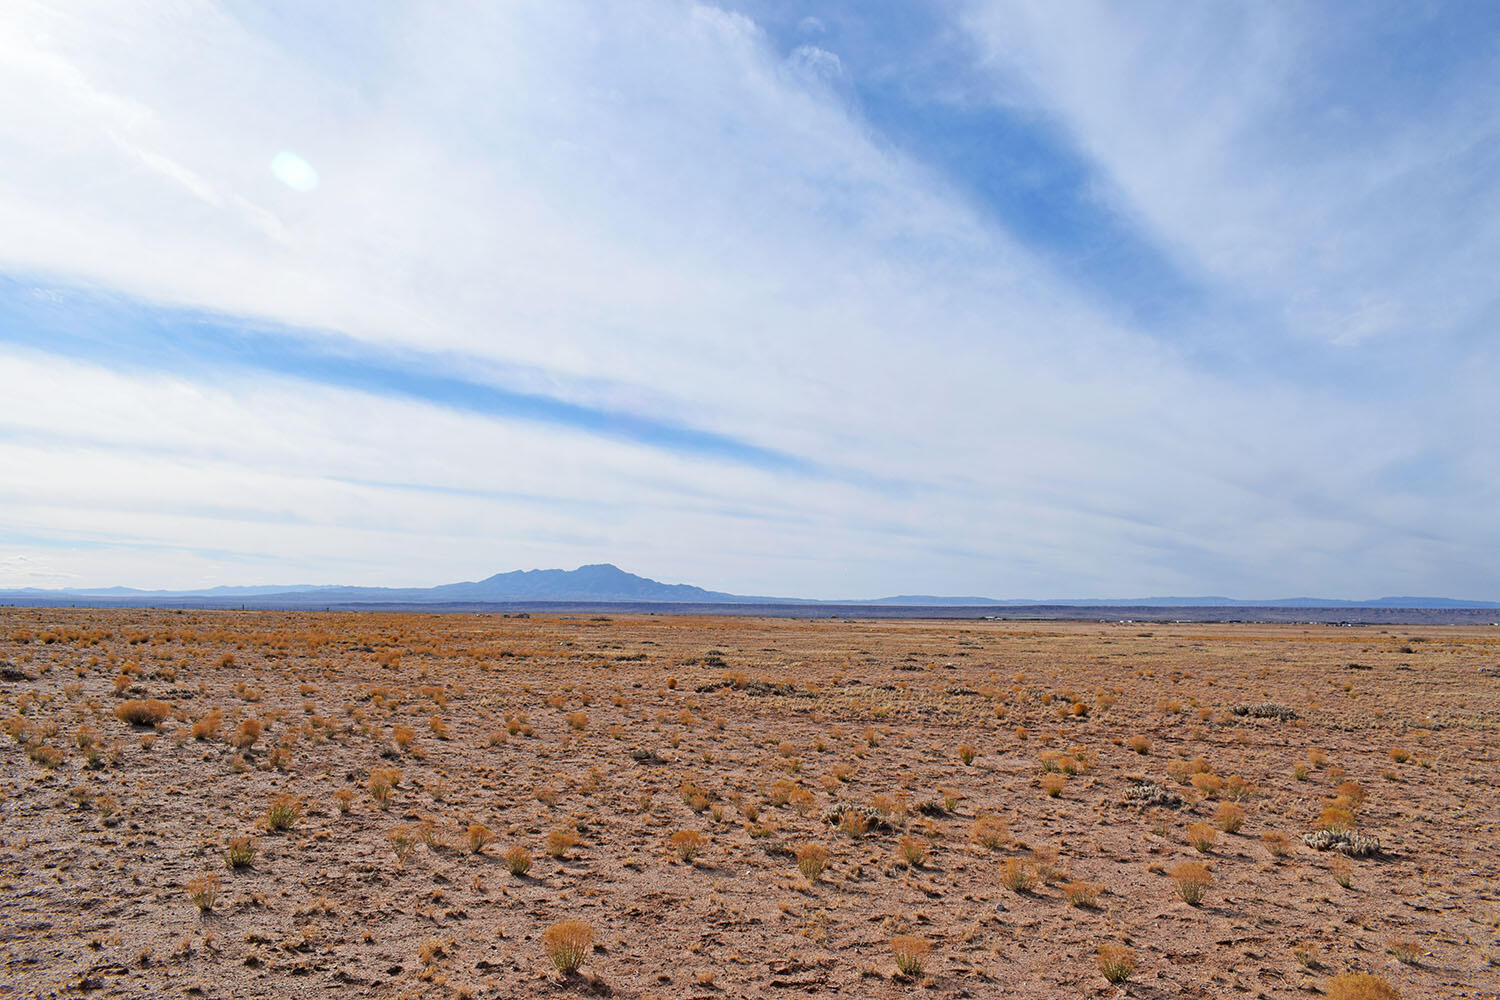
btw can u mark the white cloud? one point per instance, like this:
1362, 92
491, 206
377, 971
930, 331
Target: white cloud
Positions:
1280, 151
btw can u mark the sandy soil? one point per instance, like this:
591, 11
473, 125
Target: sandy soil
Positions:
620, 732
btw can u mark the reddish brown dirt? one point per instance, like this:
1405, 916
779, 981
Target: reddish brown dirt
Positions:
737, 715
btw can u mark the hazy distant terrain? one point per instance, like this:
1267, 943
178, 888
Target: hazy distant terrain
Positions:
603, 587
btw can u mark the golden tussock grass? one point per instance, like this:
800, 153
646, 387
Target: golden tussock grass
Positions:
143, 712
567, 944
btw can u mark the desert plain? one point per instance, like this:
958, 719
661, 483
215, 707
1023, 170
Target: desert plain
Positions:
246, 804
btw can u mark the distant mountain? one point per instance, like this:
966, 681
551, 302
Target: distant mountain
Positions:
602, 583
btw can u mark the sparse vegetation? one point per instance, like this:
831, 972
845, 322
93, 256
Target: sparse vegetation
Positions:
1116, 962
567, 944
1360, 986
143, 712
1193, 880
899, 765
911, 954
812, 861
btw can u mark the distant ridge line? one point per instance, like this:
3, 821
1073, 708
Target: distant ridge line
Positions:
604, 583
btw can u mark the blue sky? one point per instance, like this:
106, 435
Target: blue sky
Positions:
816, 299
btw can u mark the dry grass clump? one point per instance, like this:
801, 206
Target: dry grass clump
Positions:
245, 734
1276, 843
1405, 950
561, 841
207, 727
403, 841
1229, 817
686, 844
1335, 819
966, 753
913, 850
1193, 879
478, 835
567, 944
911, 954
1116, 962
990, 831
1083, 895
1053, 784
1202, 837
284, 812
812, 860
143, 712
204, 891
382, 785
518, 860
1018, 875
240, 852
1360, 986
1142, 746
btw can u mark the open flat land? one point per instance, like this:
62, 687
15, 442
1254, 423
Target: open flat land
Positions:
676, 781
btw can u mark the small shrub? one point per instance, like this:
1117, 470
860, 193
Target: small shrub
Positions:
344, 799
143, 712
578, 720
1342, 871
1360, 986
911, 954
1053, 784
1207, 783
1202, 837
854, 824
518, 860
1116, 962
812, 860
966, 753
567, 944
1142, 746
1400, 755
382, 785
1192, 879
